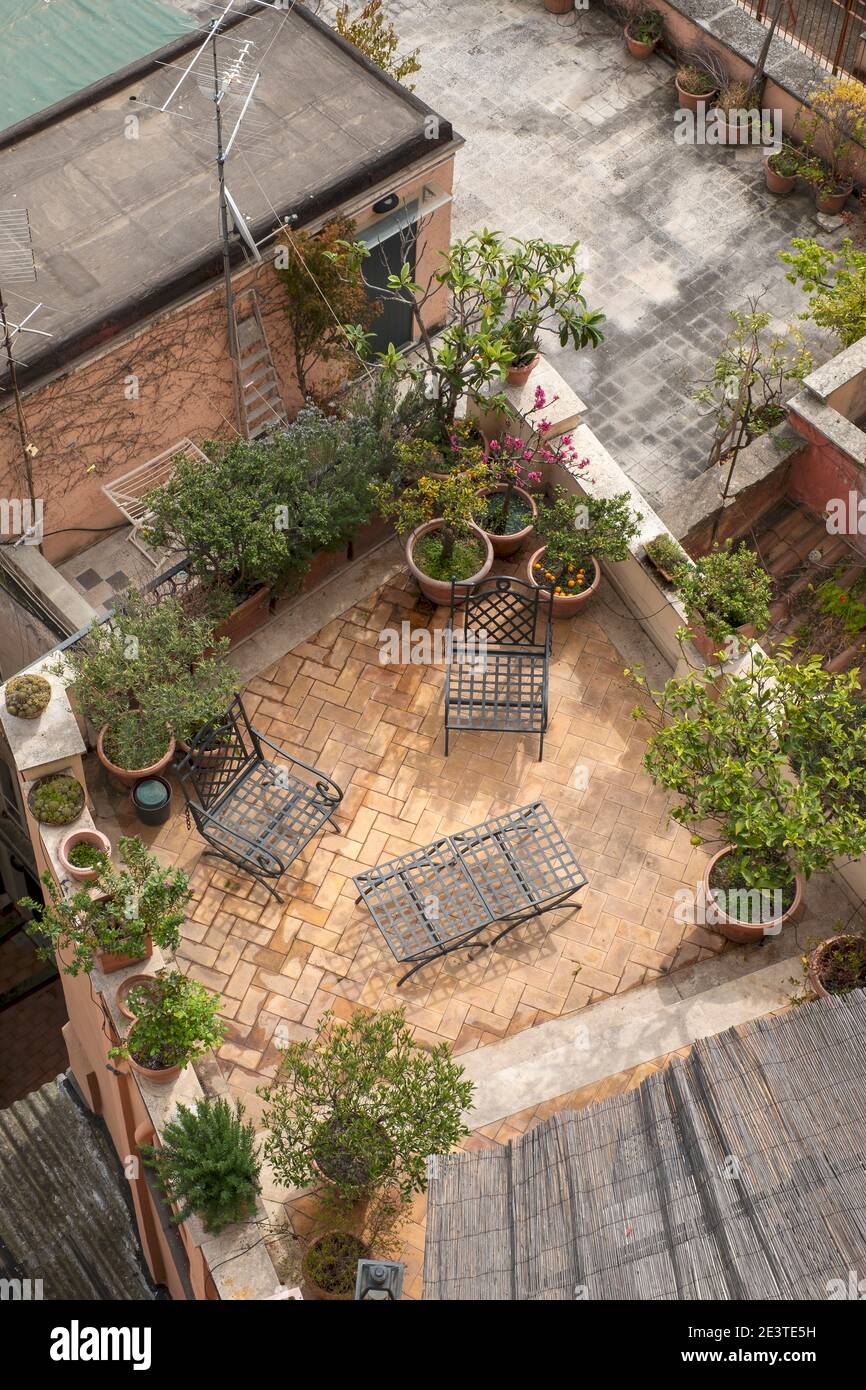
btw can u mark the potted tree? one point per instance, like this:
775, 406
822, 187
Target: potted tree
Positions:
115, 920
833, 120
27, 696
728, 750
695, 87
577, 533
151, 674
362, 1106
207, 1164
837, 965
643, 31
175, 1021
726, 592
439, 516
511, 511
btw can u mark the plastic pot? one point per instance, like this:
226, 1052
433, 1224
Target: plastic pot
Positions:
151, 798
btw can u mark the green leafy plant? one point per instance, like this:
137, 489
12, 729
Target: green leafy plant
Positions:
331, 1262
175, 1022
835, 281
520, 335
786, 162
646, 27
324, 290
371, 32
85, 856
577, 529
457, 500
27, 696
839, 962
207, 1164
728, 749
666, 554
56, 799
726, 589
363, 1105
836, 602
488, 280
140, 901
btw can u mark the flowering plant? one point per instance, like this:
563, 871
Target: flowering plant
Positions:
511, 457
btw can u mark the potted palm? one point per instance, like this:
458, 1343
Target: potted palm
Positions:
115, 919
728, 751
175, 1021
726, 592
578, 532
643, 31
439, 517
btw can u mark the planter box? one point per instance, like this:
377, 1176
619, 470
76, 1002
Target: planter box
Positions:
247, 617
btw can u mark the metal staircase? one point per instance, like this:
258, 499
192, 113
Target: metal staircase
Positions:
261, 403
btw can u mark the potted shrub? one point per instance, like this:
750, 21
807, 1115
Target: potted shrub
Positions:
642, 33
57, 799
578, 532
363, 1106
115, 920
837, 965
331, 1262
153, 672
782, 168
834, 117
727, 750
175, 1021
27, 696
725, 592
444, 542
667, 555
511, 511
82, 853
206, 1164
695, 87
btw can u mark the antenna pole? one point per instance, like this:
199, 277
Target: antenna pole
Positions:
19, 408
224, 233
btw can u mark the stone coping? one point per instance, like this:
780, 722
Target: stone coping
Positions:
844, 367
50, 739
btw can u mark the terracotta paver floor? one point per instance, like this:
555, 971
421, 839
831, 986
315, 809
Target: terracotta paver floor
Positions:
377, 729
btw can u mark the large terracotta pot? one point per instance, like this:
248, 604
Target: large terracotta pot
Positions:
748, 932
518, 376
817, 959
833, 203
129, 776
510, 544
438, 591
691, 102
82, 837
564, 605
163, 1077
247, 617
315, 1290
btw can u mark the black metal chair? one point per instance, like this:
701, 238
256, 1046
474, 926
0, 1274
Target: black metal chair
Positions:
254, 812
497, 658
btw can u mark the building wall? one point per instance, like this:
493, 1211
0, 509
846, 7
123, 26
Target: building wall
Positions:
168, 379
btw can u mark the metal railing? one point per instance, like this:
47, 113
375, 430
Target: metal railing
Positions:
831, 31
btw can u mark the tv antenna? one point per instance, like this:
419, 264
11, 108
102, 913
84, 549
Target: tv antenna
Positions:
17, 266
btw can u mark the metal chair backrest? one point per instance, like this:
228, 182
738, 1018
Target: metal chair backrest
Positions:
501, 610
220, 755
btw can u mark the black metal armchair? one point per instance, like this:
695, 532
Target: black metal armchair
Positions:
497, 658
255, 813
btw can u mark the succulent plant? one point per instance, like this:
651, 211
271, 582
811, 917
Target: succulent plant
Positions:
27, 696
57, 799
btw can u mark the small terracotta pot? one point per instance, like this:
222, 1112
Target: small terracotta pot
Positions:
131, 982
111, 961
564, 605
559, 6
82, 837
636, 48
510, 544
129, 776
833, 203
817, 959
748, 932
691, 102
518, 376
438, 591
778, 183
163, 1077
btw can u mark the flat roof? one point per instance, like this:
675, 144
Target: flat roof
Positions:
124, 226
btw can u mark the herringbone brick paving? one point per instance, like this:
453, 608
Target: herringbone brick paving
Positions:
377, 729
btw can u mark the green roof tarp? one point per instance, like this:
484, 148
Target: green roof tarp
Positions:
52, 48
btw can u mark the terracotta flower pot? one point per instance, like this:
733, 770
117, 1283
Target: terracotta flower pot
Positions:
636, 48
708, 647
818, 962
559, 6
518, 376
161, 1077
564, 605
834, 202
510, 544
748, 932
82, 837
691, 102
247, 617
111, 961
123, 990
778, 183
129, 776
438, 591
315, 1289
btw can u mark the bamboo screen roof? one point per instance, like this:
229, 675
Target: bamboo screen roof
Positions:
637, 1197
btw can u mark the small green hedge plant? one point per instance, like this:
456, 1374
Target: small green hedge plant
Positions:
207, 1164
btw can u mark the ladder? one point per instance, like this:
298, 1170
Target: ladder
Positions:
261, 403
